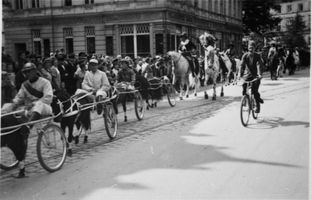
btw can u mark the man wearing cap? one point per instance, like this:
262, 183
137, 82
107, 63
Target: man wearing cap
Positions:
185, 48
253, 63
35, 93
96, 81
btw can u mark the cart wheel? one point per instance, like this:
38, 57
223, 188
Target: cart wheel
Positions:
245, 110
51, 148
8, 160
171, 95
139, 106
111, 121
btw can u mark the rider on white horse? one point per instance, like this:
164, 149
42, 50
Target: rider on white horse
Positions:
185, 48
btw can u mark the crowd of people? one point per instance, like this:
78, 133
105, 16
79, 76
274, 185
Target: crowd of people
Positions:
68, 71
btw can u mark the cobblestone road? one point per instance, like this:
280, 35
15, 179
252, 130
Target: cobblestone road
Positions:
161, 119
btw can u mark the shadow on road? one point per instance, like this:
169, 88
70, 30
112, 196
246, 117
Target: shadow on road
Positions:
273, 122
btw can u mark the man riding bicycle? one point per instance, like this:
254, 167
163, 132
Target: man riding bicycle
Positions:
252, 62
97, 82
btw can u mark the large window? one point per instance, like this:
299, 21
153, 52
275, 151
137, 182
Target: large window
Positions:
300, 7
90, 39
68, 36
159, 44
68, 3
109, 45
46, 47
127, 46
35, 3
289, 8
19, 4
143, 45
36, 37
135, 40
89, 1
69, 45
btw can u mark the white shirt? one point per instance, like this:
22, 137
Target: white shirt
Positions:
95, 81
42, 85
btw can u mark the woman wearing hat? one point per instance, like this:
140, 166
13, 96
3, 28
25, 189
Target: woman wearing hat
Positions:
185, 48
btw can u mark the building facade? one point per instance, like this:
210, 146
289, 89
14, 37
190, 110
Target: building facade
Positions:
127, 27
289, 9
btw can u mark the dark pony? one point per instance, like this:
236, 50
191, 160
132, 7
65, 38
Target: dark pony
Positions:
17, 140
141, 84
72, 116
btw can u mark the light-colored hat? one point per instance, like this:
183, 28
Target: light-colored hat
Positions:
29, 66
93, 60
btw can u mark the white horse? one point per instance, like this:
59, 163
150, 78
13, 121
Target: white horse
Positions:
211, 64
230, 69
180, 71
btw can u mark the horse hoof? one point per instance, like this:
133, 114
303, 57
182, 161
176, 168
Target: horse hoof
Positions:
125, 119
206, 96
85, 139
155, 105
195, 94
221, 94
76, 139
69, 152
180, 98
187, 96
214, 98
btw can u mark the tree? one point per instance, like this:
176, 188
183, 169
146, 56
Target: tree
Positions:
257, 17
294, 35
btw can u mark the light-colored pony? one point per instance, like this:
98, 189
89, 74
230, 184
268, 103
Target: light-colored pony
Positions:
211, 64
228, 64
180, 71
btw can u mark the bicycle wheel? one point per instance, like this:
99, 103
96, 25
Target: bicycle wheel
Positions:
253, 104
245, 110
8, 159
139, 106
171, 95
111, 121
51, 148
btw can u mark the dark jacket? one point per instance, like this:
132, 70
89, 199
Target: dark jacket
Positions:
252, 70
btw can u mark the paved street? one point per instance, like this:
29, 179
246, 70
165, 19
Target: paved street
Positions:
196, 150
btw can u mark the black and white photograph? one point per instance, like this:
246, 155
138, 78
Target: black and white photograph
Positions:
155, 99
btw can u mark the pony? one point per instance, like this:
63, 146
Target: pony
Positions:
124, 95
227, 67
181, 72
72, 115
15, 139
211, 64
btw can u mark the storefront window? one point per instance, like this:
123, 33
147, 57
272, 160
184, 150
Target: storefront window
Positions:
127, 47
159, 44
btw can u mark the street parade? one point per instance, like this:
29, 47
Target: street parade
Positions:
194, 113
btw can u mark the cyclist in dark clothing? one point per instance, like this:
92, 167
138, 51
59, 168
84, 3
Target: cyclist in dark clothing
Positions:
251, 64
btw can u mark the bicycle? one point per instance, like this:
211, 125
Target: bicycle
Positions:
248, 104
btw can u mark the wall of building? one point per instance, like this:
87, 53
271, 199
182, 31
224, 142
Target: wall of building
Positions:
164, 16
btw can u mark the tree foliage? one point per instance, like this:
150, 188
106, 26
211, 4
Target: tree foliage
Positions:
256, 16
294, 35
